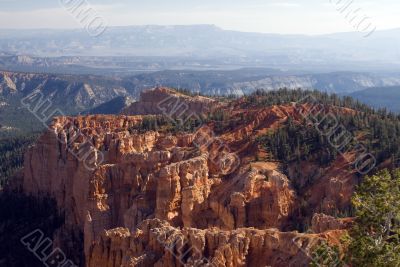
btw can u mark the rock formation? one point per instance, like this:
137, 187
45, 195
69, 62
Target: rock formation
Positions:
321, 223
156, 198
162, 100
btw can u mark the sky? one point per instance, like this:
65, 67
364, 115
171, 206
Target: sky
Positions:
269, 16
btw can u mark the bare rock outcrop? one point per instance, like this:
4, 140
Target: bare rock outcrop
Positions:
144, 198
156, 243
321, 223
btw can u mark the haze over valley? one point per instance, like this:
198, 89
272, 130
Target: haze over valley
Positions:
151, 48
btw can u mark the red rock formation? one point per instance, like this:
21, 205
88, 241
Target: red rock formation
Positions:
140, 188
156, 243
322, 223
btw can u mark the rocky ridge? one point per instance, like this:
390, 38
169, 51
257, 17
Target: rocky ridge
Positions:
70, 93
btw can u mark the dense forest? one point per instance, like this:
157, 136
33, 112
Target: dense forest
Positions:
12, 154
296, 142
377, 130
261, 98
19, 120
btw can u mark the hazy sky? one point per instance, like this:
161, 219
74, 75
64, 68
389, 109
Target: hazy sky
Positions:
286, 16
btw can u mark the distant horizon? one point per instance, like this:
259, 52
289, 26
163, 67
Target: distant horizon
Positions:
308, 17
188, 25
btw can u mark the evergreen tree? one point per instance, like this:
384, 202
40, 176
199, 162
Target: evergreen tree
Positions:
375, 239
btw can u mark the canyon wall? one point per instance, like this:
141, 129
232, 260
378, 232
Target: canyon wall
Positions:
160, 199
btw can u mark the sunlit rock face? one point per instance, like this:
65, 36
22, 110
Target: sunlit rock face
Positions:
157, 198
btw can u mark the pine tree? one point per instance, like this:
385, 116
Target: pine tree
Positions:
375, 238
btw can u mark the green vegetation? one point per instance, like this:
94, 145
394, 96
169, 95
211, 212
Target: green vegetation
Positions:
12, 155
375, 238
162, 123
262, 98
19, 119
378, 131
326, 256
295, 142
224, 121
